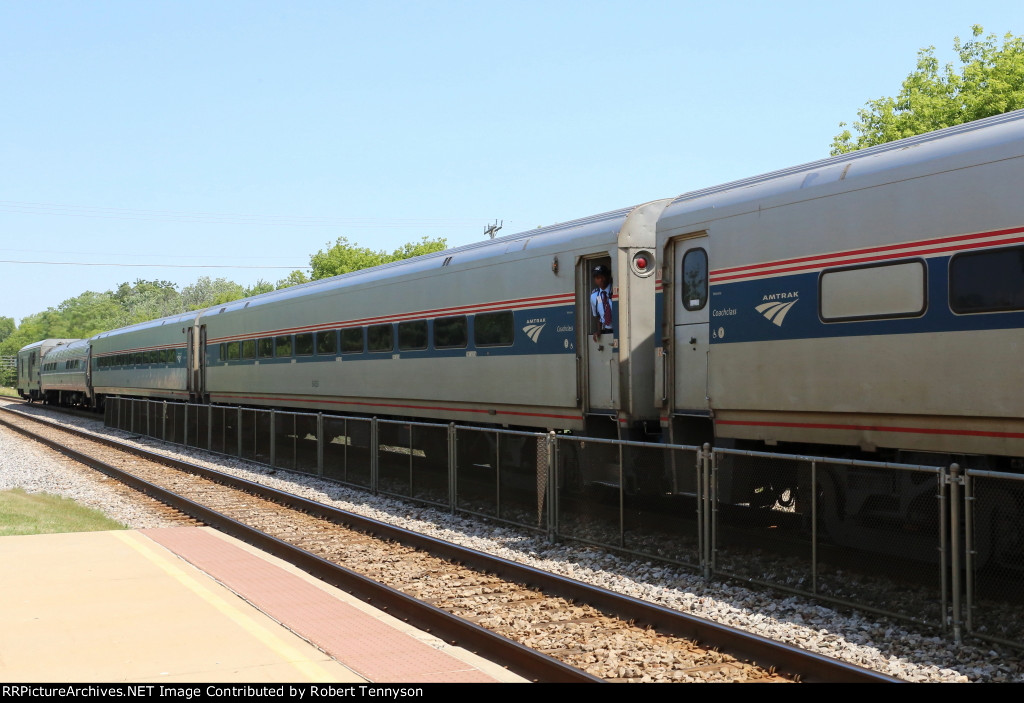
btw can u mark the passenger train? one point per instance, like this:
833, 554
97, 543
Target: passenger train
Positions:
869, 304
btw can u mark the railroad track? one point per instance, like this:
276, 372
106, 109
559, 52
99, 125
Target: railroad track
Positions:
543, 626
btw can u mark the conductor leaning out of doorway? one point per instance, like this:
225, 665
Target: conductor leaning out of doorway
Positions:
601, 302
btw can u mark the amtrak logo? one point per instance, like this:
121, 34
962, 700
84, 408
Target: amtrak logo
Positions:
775, 310
533, 331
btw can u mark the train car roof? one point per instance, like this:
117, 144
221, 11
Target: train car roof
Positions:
187, 317
553, 235
991, 131
46, 342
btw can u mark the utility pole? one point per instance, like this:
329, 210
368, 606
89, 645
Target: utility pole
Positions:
491, 230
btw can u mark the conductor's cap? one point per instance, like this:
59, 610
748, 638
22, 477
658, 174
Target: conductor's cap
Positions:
602, 270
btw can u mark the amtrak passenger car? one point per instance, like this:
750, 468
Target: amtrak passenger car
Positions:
30, 361
497, 332
65, 375
872, 301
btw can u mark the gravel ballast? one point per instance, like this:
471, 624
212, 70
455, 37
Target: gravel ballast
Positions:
28, 465
865, 639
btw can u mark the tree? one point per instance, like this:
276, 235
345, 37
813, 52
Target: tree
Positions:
147, 300
989, 81
344, 257
207, 292
292, 279
258, 288
7, 327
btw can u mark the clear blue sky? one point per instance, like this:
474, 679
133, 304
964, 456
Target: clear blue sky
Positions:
252, 133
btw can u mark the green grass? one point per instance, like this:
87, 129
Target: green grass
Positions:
9, 391
24, 513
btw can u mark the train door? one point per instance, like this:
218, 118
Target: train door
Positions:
190, 384
201, 390
88, 372
690, 323
602, 354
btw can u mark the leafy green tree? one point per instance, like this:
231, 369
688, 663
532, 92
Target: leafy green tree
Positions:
147, 300
292, 279
207, 292
988, 81
258, 288
344, 257
7, 327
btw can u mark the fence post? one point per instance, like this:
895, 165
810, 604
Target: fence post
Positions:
622, 502
706, 499
238, 425
814, 527
131, 417
497, 475
968, 612
552, 487
273, 438
319, 444
955, 480
184, 436
412, 489
452, 467
374, 456
163, 424
209, 428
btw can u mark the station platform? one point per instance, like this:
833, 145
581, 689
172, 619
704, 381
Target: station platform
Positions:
189, 604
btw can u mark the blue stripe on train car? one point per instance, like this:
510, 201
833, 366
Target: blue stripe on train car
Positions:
789, 310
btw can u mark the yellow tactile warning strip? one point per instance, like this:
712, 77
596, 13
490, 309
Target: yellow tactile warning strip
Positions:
115, 607
363, 643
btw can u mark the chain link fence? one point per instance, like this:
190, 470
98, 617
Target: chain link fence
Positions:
866, 534
8, 371
994, 556
640, 498
921, 543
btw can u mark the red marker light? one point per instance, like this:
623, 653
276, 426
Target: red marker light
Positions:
641, 263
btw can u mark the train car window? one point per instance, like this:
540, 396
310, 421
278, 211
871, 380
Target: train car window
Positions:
493, 329
987, 281
304, 344
380, 338
223, 353
451, 332
249, 349
412, 335
873, 292
266, 347
352, 340
234, 351
327, 342
694, 276
283, 346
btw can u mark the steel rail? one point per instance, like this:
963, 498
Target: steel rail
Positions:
787, 659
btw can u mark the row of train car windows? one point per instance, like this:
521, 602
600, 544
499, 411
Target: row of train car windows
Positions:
68, 365
489, 330
155, 356
979, 282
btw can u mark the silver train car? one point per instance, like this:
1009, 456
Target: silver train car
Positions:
65, 374
872, 300
869, 305
30, 361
